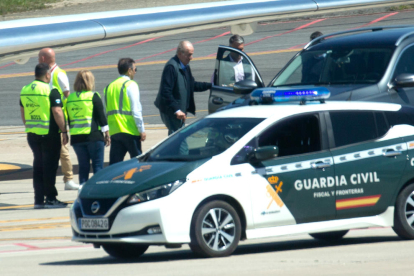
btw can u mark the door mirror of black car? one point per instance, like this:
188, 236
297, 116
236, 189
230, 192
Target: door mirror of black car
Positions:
403, 80
244, 87
263, 154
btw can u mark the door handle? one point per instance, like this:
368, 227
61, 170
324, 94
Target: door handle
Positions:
217, 100
391, 153
320, 165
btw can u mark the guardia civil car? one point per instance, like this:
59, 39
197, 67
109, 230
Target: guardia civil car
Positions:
258, 171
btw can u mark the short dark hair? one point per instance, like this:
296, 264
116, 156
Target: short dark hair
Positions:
315, 35
236, 38
41, 70
124, 64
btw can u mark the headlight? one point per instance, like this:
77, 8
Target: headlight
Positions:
155, 193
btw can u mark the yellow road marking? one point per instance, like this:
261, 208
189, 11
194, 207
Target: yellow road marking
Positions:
26, 220
7, 133
65, 224
8, 167
23, 206
102, 67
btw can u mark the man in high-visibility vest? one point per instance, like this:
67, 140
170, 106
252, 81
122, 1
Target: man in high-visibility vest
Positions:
60, 80
124, 112
42, 115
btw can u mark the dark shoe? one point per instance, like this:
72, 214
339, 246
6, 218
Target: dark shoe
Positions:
54, 203
39, 206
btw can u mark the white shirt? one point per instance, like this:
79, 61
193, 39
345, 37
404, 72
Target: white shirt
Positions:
238, 69
136, 107
63, 80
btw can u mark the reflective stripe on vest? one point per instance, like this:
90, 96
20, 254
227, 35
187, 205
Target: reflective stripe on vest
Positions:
118, 108
36, 105
55, 82
79, 107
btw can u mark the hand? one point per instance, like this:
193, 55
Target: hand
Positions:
143, 136
107, 140
180, 115
65, 138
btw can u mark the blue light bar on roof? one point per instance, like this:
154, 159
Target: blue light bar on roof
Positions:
271, 95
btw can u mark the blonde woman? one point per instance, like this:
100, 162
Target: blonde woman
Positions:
88, 125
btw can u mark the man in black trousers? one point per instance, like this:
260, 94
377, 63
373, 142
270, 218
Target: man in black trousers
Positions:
176, 94
41, 112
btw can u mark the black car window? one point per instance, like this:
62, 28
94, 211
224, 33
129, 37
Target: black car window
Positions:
354, 127
405, 64
381, 122
295, 135
400, 118
336, 66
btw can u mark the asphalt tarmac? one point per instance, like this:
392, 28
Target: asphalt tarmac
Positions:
37, 242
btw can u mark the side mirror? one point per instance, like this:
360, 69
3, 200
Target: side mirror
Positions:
403, 80
244, 87
263, 154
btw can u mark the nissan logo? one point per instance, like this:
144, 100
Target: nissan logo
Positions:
95, 207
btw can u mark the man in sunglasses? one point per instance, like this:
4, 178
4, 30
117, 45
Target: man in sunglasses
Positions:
124, 112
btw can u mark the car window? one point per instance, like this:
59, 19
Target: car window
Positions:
231, 68
203, 139
400, 118
336, 66
356, 127
295, 135
405, 64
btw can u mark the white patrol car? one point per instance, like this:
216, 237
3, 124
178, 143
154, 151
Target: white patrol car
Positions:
256, 172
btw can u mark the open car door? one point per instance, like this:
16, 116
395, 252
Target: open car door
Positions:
232, 66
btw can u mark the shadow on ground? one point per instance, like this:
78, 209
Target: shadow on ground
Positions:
241, 250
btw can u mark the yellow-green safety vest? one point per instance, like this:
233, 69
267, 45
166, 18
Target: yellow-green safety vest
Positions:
79, 107
36, 104
118, 108
55, 82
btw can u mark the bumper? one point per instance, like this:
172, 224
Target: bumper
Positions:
130, 224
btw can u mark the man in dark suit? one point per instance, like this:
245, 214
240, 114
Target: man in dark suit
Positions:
233, 67
176, 94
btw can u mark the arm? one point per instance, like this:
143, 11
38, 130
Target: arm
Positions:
201, 86
98, 112
60, 121
136, 107
168, 80
63, 81
22, 115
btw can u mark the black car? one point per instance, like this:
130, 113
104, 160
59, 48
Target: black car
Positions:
367, 64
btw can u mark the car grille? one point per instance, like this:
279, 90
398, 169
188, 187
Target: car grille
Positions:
105, 205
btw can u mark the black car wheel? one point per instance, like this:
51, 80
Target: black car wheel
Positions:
404, 213
215, 230
125, 250
329, 236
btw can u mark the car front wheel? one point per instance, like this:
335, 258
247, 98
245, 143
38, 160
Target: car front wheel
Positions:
125, 250
404, 213
216, 230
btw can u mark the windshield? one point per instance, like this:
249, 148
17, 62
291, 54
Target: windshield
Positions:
203, 139
336, 66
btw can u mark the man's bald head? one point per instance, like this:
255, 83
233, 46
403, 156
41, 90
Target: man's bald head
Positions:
47, 55
185, 51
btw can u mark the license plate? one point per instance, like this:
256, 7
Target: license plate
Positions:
94, 224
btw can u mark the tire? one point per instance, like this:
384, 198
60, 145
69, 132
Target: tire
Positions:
329, 236
221, 226
404, 213
125, 250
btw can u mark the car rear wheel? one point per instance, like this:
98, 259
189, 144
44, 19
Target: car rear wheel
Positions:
216, 230
329, 236
125, 250
404, 213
